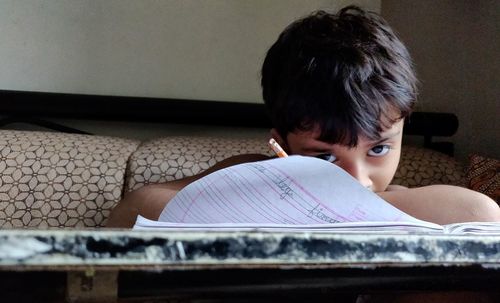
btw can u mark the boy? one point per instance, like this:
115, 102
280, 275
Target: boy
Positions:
338, 87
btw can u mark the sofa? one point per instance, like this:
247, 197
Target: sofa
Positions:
54, 179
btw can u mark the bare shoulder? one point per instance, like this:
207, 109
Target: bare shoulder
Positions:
153, 191
234, 160
166, 190
239, 159
150, 200
147, 201
154, 197
176, 185
444, 204
394, 187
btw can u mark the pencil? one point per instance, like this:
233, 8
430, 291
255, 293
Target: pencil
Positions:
277, 148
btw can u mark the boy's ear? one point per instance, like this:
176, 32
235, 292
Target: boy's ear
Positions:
281, 141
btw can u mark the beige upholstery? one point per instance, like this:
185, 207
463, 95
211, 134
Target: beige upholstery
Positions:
60, 180
173, 158
177, 157
419, 167
52, 179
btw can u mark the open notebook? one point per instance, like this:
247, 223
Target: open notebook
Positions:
289, 194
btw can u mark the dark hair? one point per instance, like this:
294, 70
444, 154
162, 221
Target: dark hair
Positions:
346, 73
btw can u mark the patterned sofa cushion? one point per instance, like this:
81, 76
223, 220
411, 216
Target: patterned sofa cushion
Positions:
420, 166
172, 158
50, 179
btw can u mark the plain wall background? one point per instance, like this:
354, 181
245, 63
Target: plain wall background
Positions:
186, 49
456, 45
192, 49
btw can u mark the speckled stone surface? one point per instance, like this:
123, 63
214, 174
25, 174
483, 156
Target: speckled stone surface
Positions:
122, 249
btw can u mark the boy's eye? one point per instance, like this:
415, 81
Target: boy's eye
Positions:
379, 150
327, 157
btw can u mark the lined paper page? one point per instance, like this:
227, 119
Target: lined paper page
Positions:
375, 227
294, 190
491, 228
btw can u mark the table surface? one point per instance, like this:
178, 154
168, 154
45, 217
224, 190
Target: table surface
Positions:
126, 264
128, 249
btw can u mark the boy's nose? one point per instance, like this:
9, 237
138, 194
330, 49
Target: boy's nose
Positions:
360, 173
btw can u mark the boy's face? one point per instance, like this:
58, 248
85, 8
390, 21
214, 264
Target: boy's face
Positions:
372, 163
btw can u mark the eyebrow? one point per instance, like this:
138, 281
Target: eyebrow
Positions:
316, 149
385, 137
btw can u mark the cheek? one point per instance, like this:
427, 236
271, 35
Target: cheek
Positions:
293, 148
384, 170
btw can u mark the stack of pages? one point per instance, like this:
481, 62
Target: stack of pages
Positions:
290, 194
